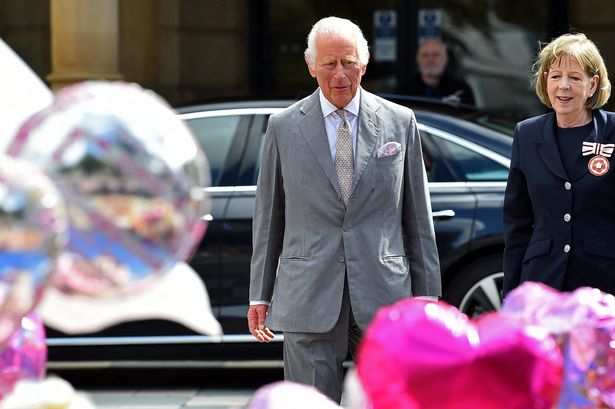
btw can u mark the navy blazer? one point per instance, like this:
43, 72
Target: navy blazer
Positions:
559, 229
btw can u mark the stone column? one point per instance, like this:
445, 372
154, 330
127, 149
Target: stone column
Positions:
84, 41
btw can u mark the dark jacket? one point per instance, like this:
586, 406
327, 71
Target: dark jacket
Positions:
559, 229
447, 87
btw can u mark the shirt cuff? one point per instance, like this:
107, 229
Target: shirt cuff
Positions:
260, 303
426, 298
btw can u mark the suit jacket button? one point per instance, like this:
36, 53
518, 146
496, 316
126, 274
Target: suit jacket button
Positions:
567, 248
567, 185
346, 228
567, 217
340, 259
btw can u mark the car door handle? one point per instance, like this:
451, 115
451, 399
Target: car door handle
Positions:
443, 214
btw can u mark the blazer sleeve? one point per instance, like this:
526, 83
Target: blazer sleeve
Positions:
518, 217
417, 222
268, 221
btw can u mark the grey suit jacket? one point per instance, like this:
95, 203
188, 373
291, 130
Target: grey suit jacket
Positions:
305, 239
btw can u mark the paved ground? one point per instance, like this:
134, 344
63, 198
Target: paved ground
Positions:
169, 388
152, 389
175, 399
188, 398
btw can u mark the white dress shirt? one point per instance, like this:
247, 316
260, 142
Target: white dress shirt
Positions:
332, 120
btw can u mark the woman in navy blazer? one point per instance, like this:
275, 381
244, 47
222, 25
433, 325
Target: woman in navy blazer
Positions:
559, 213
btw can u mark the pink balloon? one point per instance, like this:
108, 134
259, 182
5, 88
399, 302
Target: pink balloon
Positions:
32, 234
583, 323
24, 355
285, 394
421, 355
132, 176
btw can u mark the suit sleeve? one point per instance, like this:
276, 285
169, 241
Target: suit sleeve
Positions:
417, 222
268, 221
518, 218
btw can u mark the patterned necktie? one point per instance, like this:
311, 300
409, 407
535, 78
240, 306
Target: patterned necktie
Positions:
344, 163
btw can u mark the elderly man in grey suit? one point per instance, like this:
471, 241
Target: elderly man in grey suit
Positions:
342, 223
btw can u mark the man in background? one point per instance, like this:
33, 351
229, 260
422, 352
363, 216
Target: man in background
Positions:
432, 79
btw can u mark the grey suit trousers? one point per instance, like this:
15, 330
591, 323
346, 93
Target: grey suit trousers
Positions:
317, 359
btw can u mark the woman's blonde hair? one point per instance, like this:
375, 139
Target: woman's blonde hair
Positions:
585, 52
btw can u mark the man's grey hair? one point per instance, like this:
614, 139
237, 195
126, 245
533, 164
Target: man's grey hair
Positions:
336, 27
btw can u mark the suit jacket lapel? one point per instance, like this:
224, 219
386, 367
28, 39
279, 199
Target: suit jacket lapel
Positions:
313, 129
548, 150
367, 135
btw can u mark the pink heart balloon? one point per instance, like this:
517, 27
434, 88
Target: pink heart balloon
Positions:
286, 394
417, 354
583, 324
24, 354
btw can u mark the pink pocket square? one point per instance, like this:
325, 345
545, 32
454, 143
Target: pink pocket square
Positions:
389, 149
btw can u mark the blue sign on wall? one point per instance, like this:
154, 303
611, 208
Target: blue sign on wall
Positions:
430, 23
385, 35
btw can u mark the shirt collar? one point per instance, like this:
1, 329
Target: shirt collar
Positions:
327, 107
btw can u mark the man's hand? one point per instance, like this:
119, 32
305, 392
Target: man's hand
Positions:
256, 322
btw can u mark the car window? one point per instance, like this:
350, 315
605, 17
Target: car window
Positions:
467, 164
215, 135
261, 146
438, 169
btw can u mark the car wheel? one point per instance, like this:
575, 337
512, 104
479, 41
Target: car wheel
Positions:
477, 289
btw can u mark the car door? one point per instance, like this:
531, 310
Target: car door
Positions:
475, 190
236, 248
453, 203
233, 142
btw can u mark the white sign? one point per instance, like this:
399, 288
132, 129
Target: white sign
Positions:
385, 35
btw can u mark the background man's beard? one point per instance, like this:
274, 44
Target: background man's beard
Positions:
432, 72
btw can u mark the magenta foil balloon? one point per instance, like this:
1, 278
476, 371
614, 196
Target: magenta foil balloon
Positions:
285, 395
421, 355
32, 233
132, 176
583, 323
24, 355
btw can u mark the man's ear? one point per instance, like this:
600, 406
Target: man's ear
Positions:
311, 68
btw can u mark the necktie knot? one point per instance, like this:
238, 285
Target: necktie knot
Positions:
342, 114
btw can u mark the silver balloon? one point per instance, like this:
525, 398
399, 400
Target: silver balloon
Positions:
32, 234
132, 176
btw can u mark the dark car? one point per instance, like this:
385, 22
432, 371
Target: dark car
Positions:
467, 165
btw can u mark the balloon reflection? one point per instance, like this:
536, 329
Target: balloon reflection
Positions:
132, 176
32, 234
